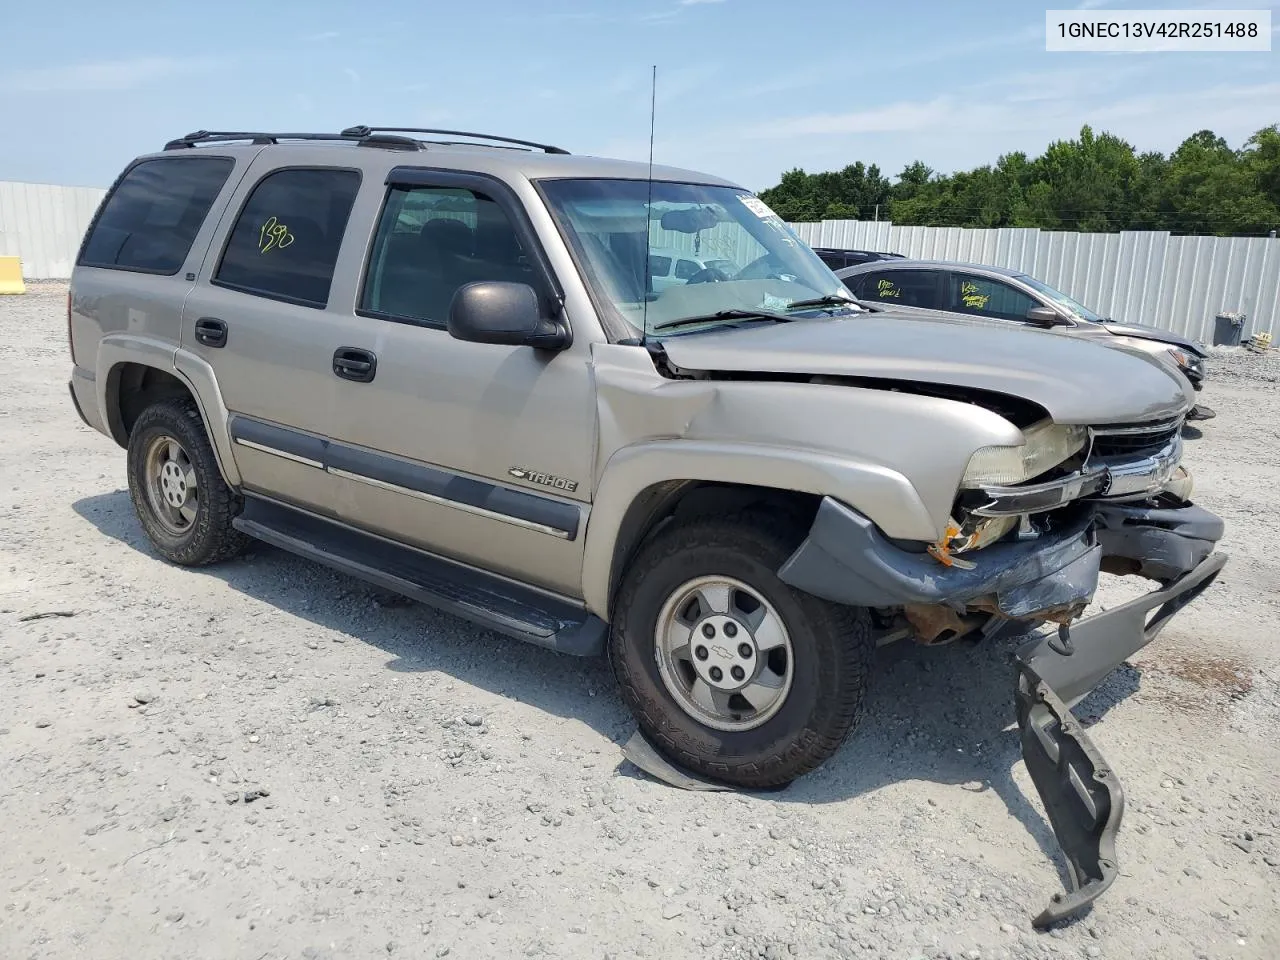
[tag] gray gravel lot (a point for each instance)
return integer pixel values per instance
(268, 760)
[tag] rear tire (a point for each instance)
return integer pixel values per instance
(177, 490)
(730, 672)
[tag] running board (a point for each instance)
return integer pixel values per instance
(503, 606)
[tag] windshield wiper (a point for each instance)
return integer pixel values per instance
(724, 315)
(831, 300)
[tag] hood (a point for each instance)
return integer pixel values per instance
(1146, 332)
(1075, 380)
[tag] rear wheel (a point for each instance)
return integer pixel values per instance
(729, 671)
(177, 490)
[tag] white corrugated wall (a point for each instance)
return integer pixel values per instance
(1178, 283)
(43, 224)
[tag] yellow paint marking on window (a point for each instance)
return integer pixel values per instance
(885, 290)
(274, 235)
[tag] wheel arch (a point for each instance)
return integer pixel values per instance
(650, 483)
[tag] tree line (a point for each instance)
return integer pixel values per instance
(1094, 183)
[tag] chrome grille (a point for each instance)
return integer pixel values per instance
(1134, 440)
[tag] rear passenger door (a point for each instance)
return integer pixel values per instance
(261, 317)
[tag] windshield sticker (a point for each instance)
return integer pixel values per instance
(886, 290)
(972, 297)
(758, 207)
(770, 302)
(274, 235)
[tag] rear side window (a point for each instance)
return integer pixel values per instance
(659, 266)
(900, 288)
(285, 243)
(686, 269)
(151, 218)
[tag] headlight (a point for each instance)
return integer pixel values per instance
(1047, 445)
(1184, 359)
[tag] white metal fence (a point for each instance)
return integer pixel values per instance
(1178, 283)
(43, 224)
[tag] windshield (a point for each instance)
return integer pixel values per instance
(732, 254)
(1060, 298)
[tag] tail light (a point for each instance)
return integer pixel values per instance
(70, 346)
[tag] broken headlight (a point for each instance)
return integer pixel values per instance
(1046, 445)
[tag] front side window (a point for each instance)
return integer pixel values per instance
(762, 267)
(430, 242)
(285, 243)
(900, 288)
(151, 218)
(987, 298)
(1077, 308)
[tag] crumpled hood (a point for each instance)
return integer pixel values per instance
(1075, 380)
(1154, 333)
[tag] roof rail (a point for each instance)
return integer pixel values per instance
(365, 131)
(371, 138)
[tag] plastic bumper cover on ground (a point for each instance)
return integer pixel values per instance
(846, 560)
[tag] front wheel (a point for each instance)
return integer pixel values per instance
(729, 671)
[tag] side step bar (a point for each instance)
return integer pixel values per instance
(489, 601)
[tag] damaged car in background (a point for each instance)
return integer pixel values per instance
(980, 293)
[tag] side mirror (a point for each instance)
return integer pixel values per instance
(495, 311)
(1045, 317)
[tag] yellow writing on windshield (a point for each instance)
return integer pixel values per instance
(886, 290)
(274, 235)
(972, 297)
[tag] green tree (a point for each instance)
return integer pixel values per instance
(1095, 182)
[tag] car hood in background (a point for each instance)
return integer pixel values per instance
(1075, 380)
(1154, 333)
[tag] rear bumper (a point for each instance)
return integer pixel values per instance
(84, 397)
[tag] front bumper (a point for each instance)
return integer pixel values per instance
(846, 560)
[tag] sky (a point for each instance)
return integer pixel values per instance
(746, 89)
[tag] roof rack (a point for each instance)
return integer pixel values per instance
(258, 137)
(362, 135)
(366, 131)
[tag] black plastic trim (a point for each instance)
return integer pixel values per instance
(295, 442)
(75, 402)
(506, 606)
(443, 484)
(451, 486)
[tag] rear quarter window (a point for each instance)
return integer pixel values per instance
(151, 217)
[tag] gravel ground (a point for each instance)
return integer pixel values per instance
(268, 760)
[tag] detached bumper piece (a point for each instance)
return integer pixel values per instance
(846, 560)
(1081, 794)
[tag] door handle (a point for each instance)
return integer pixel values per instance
(211, 331)
(353, 363)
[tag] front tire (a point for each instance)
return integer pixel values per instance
(178, 492)
(730, 672)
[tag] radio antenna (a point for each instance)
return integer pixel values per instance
(648, 209)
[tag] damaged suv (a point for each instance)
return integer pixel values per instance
(444, 367)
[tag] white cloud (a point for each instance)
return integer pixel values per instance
(102, 75)
(352, 76)
(323, 35)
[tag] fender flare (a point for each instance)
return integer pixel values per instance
(874, 489)
(115, 350)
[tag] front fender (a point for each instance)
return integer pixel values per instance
(873, 489)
